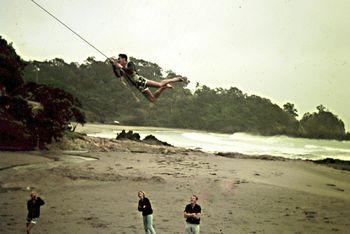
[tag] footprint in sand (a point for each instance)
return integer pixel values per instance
(310, 214)
(95, 222)
(326, 220)
(335, 187)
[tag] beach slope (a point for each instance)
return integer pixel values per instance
(91, 184)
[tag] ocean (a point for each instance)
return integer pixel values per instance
(281, 146)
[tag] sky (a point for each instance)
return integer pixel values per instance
(295, 51)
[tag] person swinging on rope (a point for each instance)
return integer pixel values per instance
(123, 68)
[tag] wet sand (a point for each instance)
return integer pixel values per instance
(237, 195)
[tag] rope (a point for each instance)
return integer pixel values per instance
(123, 82)
(68, 27)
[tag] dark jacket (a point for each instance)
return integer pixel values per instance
(145, 207)
(196, 209)
(34, 208)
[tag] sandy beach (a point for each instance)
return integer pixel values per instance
(90, 186)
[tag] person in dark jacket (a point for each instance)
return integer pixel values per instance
(192, 214)
(147, 212)
(33, 207)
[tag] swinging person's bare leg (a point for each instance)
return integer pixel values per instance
(157, 93)
(152, 83)
(152, 97)
(172, 80)
(149, 95)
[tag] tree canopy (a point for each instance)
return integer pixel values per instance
(105, 99)
(31, 114)
(322, 124)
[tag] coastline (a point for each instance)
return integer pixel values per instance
(238, 143)
(237, 194)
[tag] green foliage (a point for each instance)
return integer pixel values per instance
(11, 66)
(322, 124)
(30, 114)
(290, 109)
(14, 113)
(105, 99)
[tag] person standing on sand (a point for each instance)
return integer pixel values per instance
(192, 214)
(33, 207)
(147, 212)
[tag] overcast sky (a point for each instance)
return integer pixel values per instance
(294, 51)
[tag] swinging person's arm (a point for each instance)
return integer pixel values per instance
(117, 68)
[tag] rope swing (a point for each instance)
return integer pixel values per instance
(66, 26)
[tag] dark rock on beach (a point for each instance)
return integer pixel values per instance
(244, 156)
(150, 139)
(335, 163)
(130, 135)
